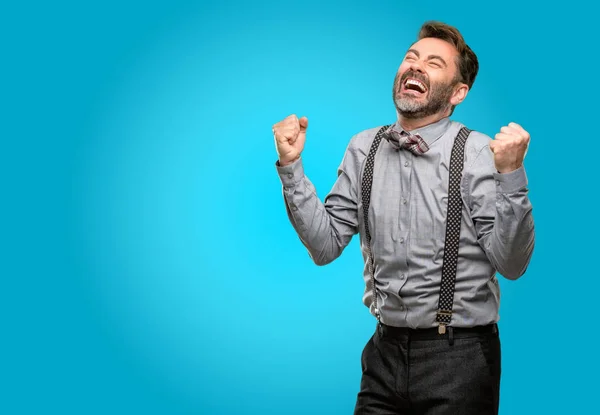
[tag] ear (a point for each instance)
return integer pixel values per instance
(460, 93)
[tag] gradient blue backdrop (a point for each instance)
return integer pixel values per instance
(147, 262)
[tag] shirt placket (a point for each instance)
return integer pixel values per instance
(406, 166)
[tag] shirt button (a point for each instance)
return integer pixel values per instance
(293, 207)
(406, 164)
(401, 307)
(498, 182)
(402, 276)
(401, 240)
(404, 201)
(290, 175)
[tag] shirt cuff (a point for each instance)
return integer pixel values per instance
(511, 182)
(292, 174)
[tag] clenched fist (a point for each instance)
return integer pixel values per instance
(509, 147)
(290, 135)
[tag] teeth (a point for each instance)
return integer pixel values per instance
(415, 82)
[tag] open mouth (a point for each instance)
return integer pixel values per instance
(415, 86)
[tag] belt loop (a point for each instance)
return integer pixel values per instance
(451, 335)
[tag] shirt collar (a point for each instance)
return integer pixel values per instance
(430, 133)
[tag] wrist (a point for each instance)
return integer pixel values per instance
(287, 162)
(509, 169)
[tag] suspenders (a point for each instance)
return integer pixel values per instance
(367, 183)
(453, 221)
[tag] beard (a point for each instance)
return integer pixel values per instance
(438, 99)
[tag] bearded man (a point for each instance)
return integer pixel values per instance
(440, 209)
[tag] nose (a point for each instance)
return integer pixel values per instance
(416, 66)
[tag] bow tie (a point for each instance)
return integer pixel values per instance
(403, 139)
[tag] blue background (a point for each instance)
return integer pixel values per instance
(147, 262)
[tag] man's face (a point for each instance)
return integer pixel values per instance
(426, 78)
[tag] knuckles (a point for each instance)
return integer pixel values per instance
(288, 126)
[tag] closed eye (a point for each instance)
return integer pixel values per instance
(437, 60)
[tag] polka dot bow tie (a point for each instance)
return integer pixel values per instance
(403, 139)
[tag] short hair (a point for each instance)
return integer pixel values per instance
(467, 62)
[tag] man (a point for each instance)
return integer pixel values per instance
(440, 225)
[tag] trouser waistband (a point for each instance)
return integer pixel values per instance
(433, 334)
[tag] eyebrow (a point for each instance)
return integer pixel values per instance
(416, 52)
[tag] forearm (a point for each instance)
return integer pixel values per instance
(325, 229)
(509, 245)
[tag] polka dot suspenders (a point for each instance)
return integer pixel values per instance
(453, 221)
(367, 183)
